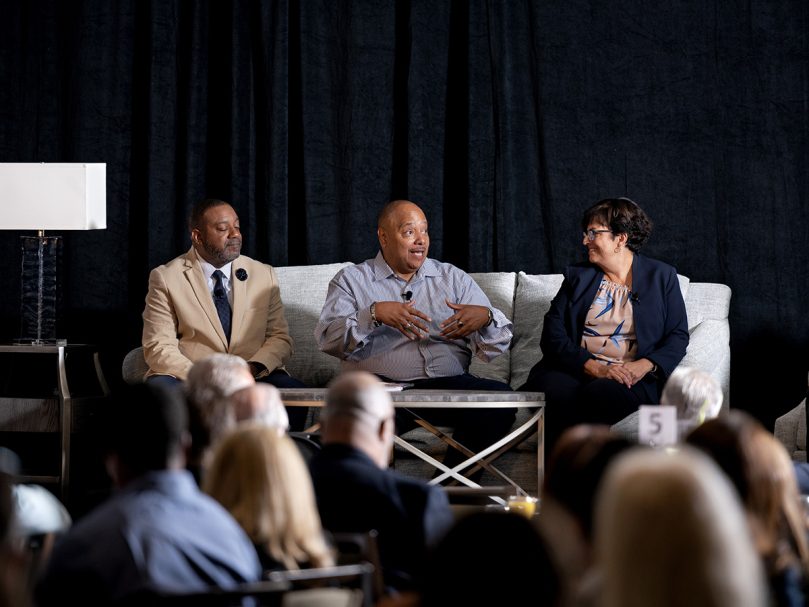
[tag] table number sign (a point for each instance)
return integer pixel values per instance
(657, 425)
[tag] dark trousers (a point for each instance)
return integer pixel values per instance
(166, 381)
(579, 399)
(278, 378)
(475, 429)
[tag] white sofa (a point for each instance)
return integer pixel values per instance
(524, 298)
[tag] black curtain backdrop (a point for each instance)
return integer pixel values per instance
(503, 119)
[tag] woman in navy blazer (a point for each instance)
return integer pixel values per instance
(615, 330)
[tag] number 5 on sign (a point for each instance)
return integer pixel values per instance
(657, 426)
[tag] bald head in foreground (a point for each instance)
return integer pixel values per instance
(355, 490)
(359, 412)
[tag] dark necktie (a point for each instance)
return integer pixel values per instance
(220, 300)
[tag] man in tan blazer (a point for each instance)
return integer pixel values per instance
(183, 319)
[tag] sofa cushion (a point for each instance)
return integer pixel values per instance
(499, 288)
(303, 291)
(531, 302)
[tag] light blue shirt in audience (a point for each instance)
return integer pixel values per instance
(159, 532)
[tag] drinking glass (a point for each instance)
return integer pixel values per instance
(523, 504)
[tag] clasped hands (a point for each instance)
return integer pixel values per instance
(628, 373)
(410, 321)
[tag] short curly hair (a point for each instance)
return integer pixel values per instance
(198, 210)
(622, 216)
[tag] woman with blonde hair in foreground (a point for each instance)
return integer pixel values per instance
(261, 479)
(670, 532)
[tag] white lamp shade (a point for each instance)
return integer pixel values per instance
(53, 196)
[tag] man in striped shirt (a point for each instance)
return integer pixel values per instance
(409, 318)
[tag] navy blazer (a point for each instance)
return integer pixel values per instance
(661, 325)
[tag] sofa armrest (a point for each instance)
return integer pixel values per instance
(709, 350)
(790, 429)
(628, 427)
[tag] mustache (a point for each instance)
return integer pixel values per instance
(233, 241)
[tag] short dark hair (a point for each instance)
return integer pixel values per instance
(577, 464)
(198, 210)
(727, 439)
(622, 216)
(146, 425)
(503, 551)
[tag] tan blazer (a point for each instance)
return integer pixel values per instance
(181, 326)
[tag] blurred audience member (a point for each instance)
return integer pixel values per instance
(696, 394)
(572, 478)
(760, 468)
(356, 492)
(491, 559)
(14, 565)
(260, 402)
(210, 383)
(260, 478)
(802, 468)
(576, 467)
(38, 512)
(670, 532)
(158, 533)
(39, 521)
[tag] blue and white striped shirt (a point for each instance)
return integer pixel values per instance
(346, 329)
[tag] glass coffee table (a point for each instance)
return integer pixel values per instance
(416, 400)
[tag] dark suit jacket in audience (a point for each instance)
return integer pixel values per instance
(355, 495)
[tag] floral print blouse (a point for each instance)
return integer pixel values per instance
(609, 329)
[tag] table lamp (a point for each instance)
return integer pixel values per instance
(48, 196)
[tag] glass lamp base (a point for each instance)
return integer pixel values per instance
(41, 256)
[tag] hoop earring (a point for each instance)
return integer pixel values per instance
(617, 249)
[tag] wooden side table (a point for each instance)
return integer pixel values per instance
(48, 414)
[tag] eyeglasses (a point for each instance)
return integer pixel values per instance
(591, 234)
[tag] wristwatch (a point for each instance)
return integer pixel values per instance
(373, 315)
(491, 318)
